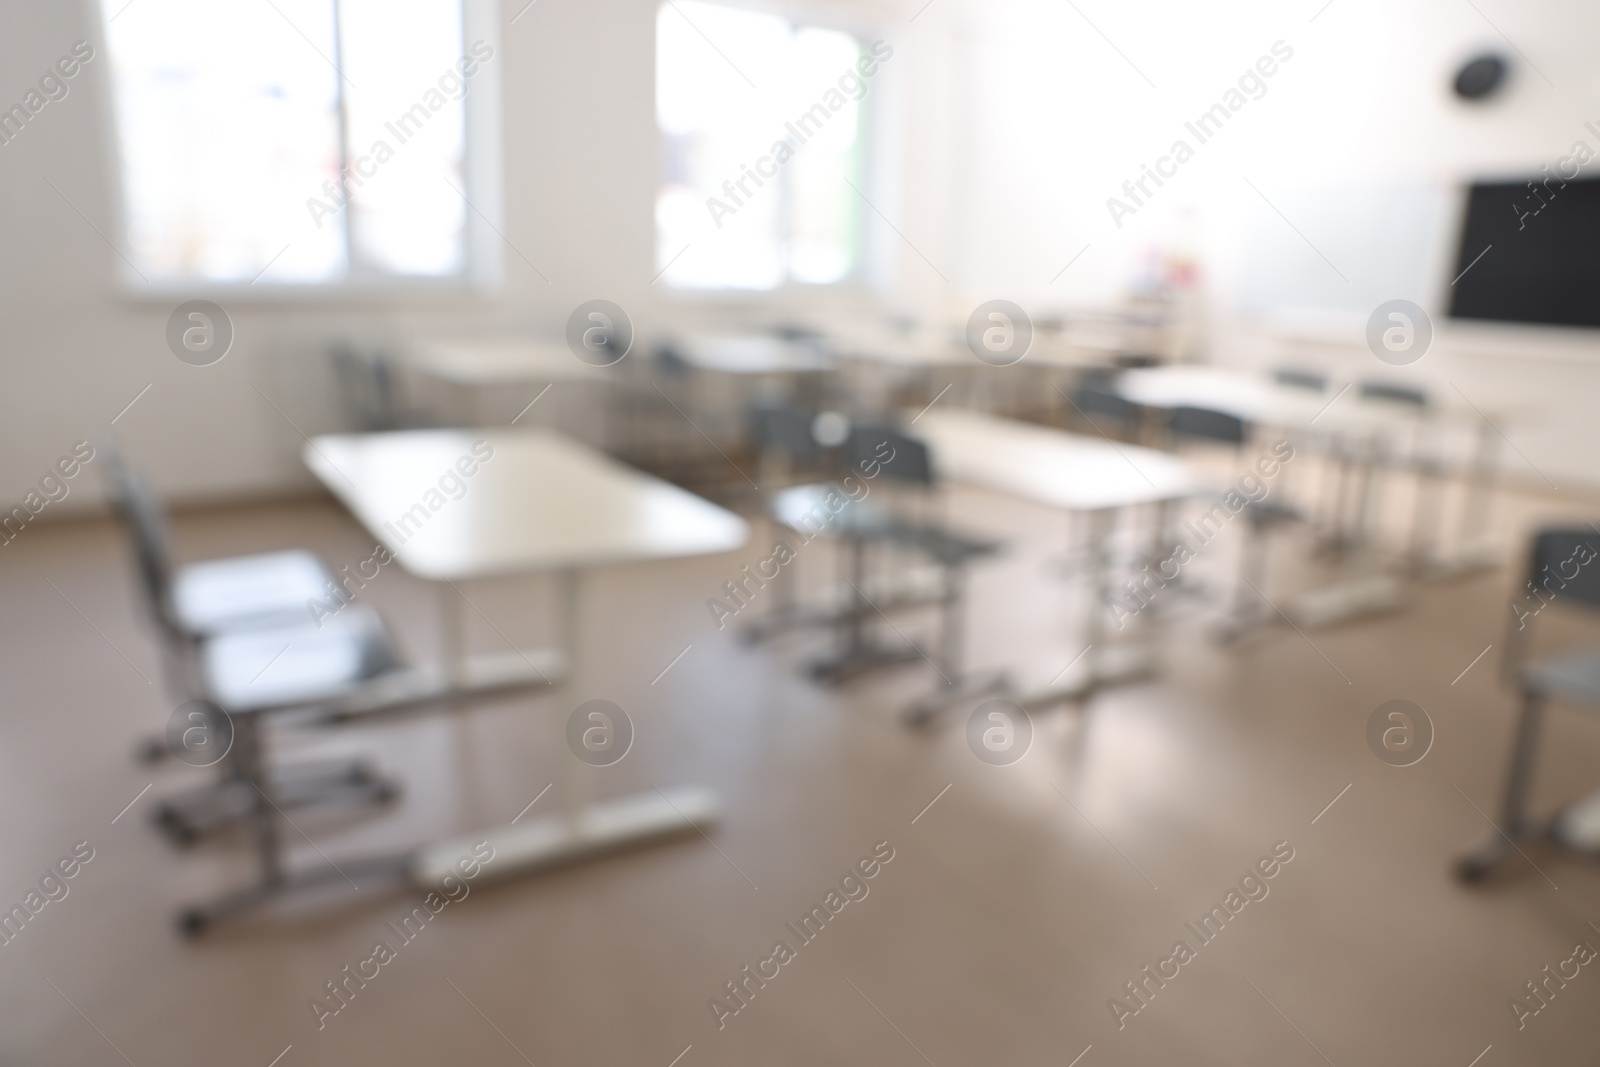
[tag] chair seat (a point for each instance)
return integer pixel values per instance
(805, 508)
(240, 592)
(296, 666)
(1574, 677)
(1270, 513)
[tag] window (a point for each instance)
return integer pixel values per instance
(298, 142)
(763, 136)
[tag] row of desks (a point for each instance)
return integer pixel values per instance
(540, 503)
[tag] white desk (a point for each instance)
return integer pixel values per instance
(1082, 475)
(750, 354)
(1360, 427)
(495, 361)
(541, 503)
(491, 379)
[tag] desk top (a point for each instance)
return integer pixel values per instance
(749, 354)
(1051, 467)
(925, 348)
(1255, 398)
(505, 360)
(536, 501)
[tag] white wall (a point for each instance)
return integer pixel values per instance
(1361, 119)
(581, 166)
(1009, 123)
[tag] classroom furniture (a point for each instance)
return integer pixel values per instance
(369, 385)
(1351, 434)
(1563, 568)
(254, 677)
(1356, 432)
(195, 606)
(893, 473)
(1095, 481)
(535, 502)
(528, 380)
(1100, 408)
(1245, 607)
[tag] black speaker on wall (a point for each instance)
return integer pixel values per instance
(1481, 77)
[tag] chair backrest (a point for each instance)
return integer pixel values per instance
(146, 520)
(1208, 425)
(1097, 398)
(785, 430)
(884, 449)
(1565, 563)
(1296, 378)
(670, 361)
(369, 388)
(1563, 568)
(1394, 392)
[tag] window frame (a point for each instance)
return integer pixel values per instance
(866, 276)
(483, 268)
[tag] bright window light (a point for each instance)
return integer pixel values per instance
(296, 142)
(730, 85)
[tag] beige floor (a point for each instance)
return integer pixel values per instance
(1014, 908)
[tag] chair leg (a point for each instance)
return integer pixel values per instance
(956, 685)
(1515, 823)
(189, 816)
(248, 762)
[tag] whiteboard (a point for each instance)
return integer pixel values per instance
(1386, 241)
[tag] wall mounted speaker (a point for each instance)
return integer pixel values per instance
(1481, 77)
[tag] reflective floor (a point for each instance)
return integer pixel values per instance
(1019, 901)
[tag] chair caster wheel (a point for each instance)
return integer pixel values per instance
(192, 922)
(150, 750)
(387, 793)
(1473, 870)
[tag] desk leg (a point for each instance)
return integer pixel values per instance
(1473, 549)
(1101, 665)
(579, 775)
(582, 828)
(453, 638)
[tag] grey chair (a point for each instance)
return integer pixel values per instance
(1563, 568)
(251, 677)
(369, 386)
(899, 519)
(1300, 378)
(1261, 516)
(195, 604)
(1430, 466)
(1097, 402)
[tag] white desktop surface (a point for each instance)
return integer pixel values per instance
(542, 502)
(750, 354)
(915, 350)
(1255, 398)
(1235, 392)
(505, 360)
(1052, 467)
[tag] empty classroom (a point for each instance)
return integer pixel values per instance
(791, 532)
